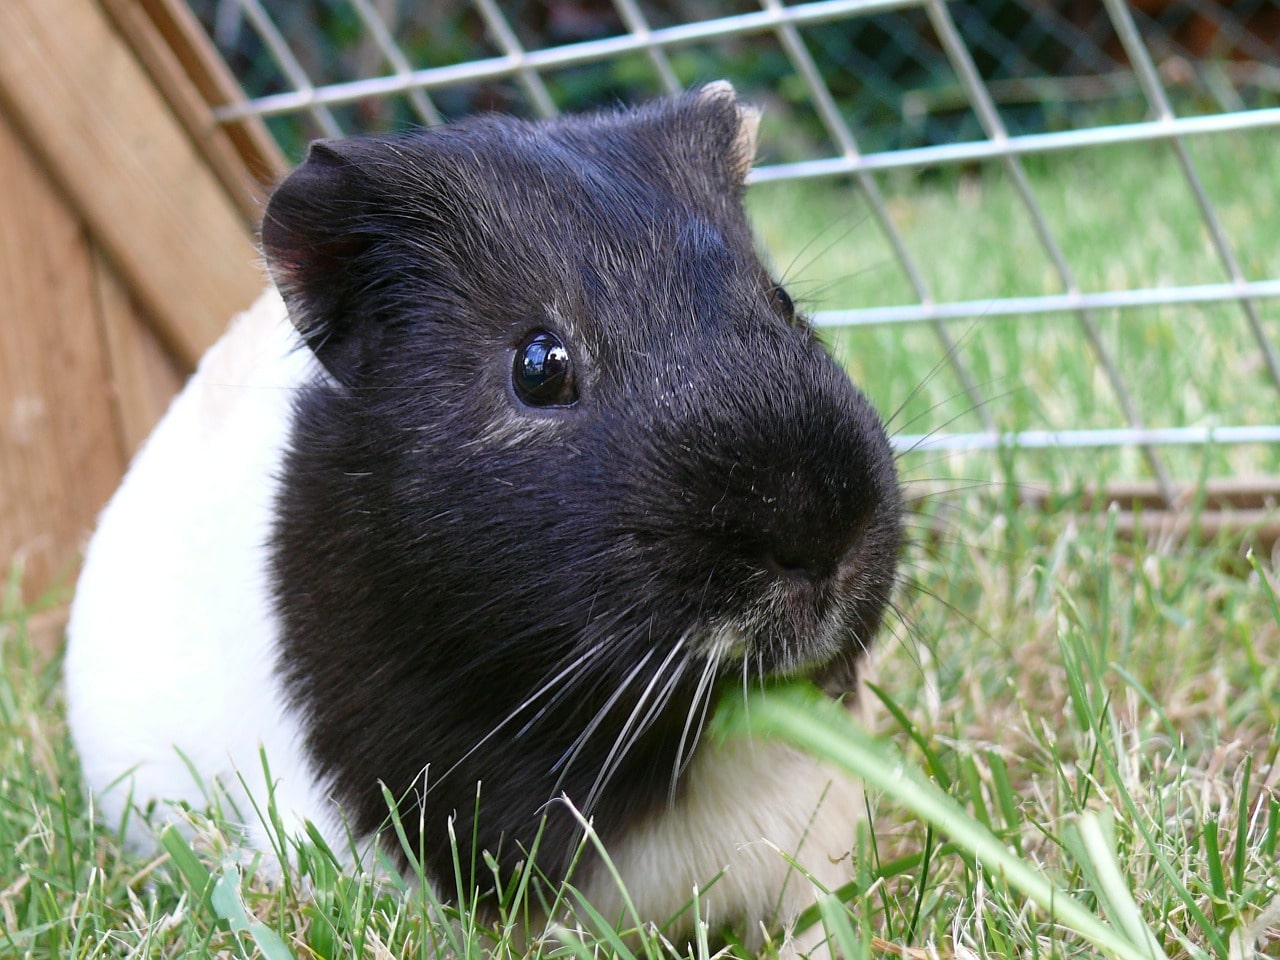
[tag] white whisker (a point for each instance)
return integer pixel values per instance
(702, 718)
(575, 748)
(626, 738)
(577, 663)
(703, 689)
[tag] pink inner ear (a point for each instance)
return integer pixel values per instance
(303, 258)
(743, 151)
(748, 139)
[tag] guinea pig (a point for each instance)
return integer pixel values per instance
(527, 465)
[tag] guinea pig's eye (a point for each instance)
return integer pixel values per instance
(784, 303)
(543, 372)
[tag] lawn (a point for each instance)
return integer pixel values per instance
(1107, 709)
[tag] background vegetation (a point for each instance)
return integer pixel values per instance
(1050, 66)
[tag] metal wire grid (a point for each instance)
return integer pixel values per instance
(527, 67)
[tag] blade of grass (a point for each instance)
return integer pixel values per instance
(1097, 838)
(195, 873)
(227, 904)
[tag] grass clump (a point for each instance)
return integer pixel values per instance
(1102, 707)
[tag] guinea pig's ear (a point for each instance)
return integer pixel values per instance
(317, 226)
(741, 150)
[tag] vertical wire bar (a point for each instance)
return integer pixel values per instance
(510, 45)
(278, 47)
(399, 63)
(1158, 99)
(989, 117)
(227, 18)
(635, 22)
(798, 53)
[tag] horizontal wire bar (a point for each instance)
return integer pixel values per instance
(1119, 437)
(942, 154)
(1052, 303)
(567, 55)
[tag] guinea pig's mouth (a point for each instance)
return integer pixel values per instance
(827, 655)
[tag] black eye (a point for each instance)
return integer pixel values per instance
(542, 372)
(785, 304)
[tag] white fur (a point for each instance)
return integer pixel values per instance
(779, 824)
(172, 638)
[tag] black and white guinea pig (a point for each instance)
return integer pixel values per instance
(528, 463)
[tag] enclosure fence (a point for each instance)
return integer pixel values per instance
(951, 33)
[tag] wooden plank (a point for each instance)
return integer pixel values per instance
(60, 454)
(1225, 493)
(189, 72)
(143, 376)
(1262, 527)
(1244, 507)
(113, 146)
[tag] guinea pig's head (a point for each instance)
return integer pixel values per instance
(576, 458)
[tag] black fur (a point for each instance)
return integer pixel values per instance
(443, 551)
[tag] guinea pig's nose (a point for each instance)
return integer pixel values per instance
(794, 564)
(811, 554)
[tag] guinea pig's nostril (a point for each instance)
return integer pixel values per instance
(814, 558)
(788, 564)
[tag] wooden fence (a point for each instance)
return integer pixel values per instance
(127, 222)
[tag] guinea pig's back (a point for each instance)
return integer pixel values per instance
(171, 641)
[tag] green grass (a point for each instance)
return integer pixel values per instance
(1075, 736)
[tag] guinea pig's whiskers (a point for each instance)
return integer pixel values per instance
(920, 385)
(575, 663)
(632, 730)
(987, 401)
(906, 635)
(918, 588)
(698, 706)
(571, 754)
(796, 268)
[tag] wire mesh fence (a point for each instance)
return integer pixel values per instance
(1043, 227)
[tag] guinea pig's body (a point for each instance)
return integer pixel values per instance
(530, 467)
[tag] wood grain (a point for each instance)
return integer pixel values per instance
(143, 376)
(115, 149)
(60, 451)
